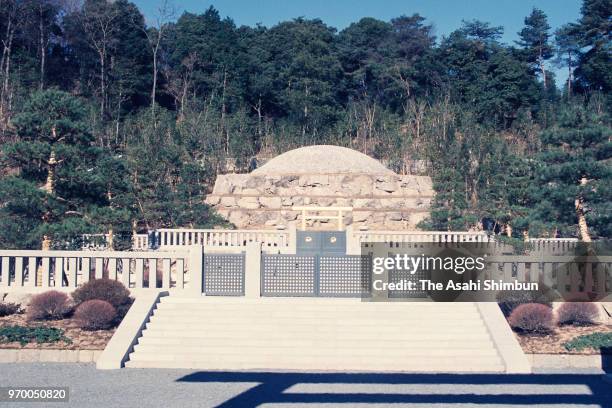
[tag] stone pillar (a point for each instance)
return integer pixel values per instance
(196, 265)
(353, 246)
(380, 250)
(252, 270)
(292, 228)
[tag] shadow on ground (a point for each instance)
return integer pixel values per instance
(491, 388)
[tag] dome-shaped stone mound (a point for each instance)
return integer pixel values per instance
(322, 159)
(322, 176)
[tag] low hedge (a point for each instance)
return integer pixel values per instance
(95, 314)
(578, 313)
(108, 290)
(7, 309)
(25, 335)
(532, 318)
(595, 341)
(50, 305)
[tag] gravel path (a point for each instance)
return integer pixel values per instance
(185, 388)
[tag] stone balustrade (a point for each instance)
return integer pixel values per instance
(37, 271)
(216, 238)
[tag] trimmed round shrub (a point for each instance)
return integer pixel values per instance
(111, 291)
(51, 305)
(95, 315)
(7, 309)
(577, 313)
(508, 300)
(532, 318)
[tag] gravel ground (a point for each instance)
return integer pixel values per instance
(187, 388)
(553, 343)
(81, 339)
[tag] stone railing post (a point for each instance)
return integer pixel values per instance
(252, 270)
(195, 270)
(353, 246)
(292, 237)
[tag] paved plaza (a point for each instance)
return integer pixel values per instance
(188, 388)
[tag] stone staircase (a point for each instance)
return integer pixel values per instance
(315, 334)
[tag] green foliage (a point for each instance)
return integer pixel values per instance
(57, 185)
(592, 33)
(578, 147)
(596, 341)
(486, 75)
(534, 39)
(25, 335)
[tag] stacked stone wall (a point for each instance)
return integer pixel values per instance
(386, 201)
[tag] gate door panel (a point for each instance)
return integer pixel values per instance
(224, 274)
(288, 275)
(321, 242)
(345, 275)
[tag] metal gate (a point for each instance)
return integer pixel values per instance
(288, 275)
(223, 274)
(399, 275)
(316, 275)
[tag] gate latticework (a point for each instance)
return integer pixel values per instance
(224, 274)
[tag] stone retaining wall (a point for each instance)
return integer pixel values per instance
(48, 356)
(387, 201)
(569, 361)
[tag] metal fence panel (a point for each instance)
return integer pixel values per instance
(288, 275)
(399, 275)
(345, 276)
(224, 274)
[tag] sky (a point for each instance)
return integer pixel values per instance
(445, 15)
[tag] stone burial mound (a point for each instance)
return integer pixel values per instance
(323, 176)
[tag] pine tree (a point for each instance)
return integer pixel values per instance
(534, 38)
(55, 186)
(568, 53)
(573, 192)
(592, 32)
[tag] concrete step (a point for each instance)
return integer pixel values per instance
(346, 331)
(474, 342)
(374, 350)
(269, 335)
(332, 310)
(315, 334)
(426, 367)
(325, 362)
(328, 358)
(223, 320)
(308, 302)
(317, 303)
(321, 314)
